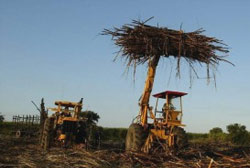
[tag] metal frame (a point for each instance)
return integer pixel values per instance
(161, 125)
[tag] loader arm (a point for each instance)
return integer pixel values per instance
(144, 102)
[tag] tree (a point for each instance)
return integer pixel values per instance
(90, 126)
(216, 130)
(216, 134)
(238, 134)
(90, 116)
(1, 118)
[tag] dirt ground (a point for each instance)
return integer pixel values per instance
(25, 152)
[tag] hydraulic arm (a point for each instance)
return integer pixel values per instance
(144, 102)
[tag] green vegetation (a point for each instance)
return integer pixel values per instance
(1, 118)
(197, 137)
(238, 134)
(216, 134)
(114, 134)
(6, 127)
(89, 125)
(90, 116)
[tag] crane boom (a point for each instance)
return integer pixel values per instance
(144, 103)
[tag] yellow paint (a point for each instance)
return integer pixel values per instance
(66, 111)
(62, 137)
(144, 103)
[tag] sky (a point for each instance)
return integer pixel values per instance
(53, 49)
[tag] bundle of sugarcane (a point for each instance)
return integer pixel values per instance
(140, 42)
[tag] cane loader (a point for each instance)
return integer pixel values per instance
(166, 126)
(140, 44)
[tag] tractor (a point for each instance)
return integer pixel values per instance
(64, 126)
(165, 128)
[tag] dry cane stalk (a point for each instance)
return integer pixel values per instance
(210, 164)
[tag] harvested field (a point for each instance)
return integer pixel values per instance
(24, 152)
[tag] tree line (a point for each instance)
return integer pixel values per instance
(236, 133)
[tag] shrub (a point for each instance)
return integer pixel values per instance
(197, 137)
(216, 134)
(238, 134)
(93, 132)
(114, 134)
(1, 118)
(216, 130)
(92, 117)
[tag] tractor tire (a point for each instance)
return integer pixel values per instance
(180, 137)
(47, 134)
(69, 140)
(19, 134)
(136, 137)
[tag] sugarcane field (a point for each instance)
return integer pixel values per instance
(124, 84)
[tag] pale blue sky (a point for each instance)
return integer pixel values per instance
(52, 49)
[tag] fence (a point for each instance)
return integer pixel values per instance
(26, 119)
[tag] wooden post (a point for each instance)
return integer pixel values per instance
(43, 116)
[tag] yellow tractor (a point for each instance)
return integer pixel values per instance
(64, 126)
(165, 128)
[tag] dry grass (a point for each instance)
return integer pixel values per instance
(25, 153)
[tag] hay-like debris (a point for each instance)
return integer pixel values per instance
(23, 152)
(140, 42)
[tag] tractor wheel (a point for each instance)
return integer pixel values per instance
(135, 138)
(47, 135)
(180, 138)
(18, 134)
(69, 139)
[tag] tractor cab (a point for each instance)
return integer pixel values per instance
(67, 111)
(170, 111)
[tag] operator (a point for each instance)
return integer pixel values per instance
(165, 108)
(66, 112)
(170, 105)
